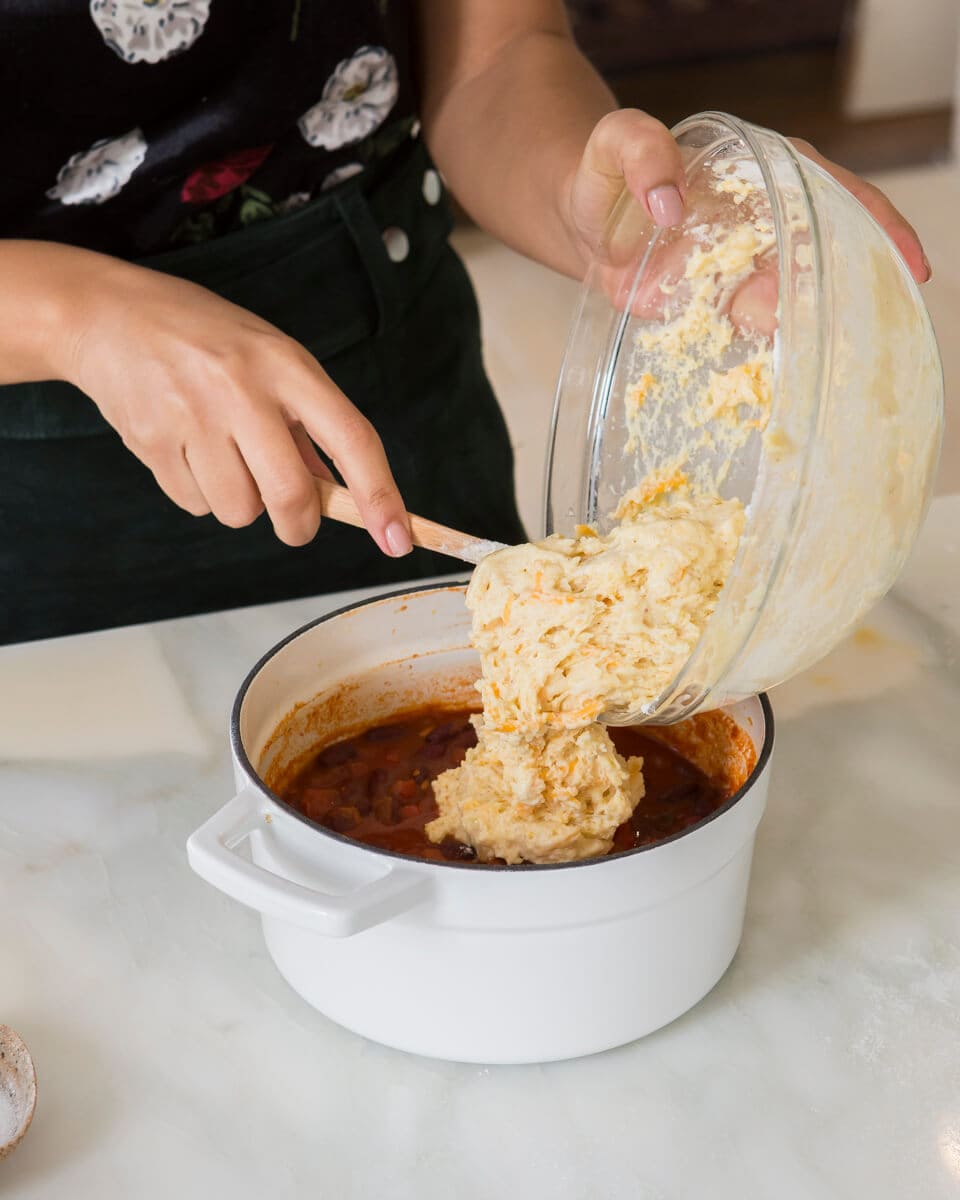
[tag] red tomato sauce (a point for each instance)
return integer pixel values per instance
(376, 786)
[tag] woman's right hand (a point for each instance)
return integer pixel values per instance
(219, 404)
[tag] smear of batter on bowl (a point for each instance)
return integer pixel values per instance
(571, 627)
(703, 385)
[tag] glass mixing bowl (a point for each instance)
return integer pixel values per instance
(836, 478)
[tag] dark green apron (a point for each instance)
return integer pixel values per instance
(88, 540)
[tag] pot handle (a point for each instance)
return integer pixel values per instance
(212, 853)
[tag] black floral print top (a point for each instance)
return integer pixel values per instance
(133, 126)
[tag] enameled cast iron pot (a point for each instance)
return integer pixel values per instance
(465, 962)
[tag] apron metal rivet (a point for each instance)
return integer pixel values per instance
(397, 244)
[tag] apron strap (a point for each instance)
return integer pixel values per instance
(369, 242)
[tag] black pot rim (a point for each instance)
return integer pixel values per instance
(241, 754)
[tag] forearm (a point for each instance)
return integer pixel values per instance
(509, 138)
(42, 288)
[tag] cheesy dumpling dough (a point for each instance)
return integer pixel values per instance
(569, 628)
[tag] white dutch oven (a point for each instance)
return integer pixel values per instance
(472, 963)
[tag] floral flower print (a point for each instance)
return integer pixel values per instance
(215, 179)
(292, 202)
(340, 175)
(149, 30)
(95, 175)
(243, 205)
(356, 100)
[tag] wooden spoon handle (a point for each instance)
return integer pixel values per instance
(337, 504)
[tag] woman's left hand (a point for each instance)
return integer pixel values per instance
(631, 148)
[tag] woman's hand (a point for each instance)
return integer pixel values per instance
(898, 228)
(630, 148)
(220, 405)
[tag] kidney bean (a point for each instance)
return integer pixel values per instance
(409, 811)
(342, 819)
(683, 791)
(336, 754)
(444, 732)
(465, 739)
(387, 810)
(376, 781)
(355, 793)
(384, 733)
(328, 777)
(457, 851)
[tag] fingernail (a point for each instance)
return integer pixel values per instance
(398, 539)
(665, 204)
(929, 269)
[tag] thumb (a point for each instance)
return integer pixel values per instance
(628, 149)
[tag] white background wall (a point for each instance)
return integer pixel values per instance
(956, 103)
(904, 56)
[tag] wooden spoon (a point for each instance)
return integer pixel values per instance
(337, 503)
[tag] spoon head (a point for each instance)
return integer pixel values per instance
(473, 552)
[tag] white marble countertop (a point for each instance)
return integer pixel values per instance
(174, 1061)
